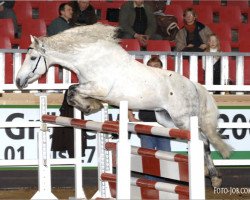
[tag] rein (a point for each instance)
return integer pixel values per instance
(35, 68)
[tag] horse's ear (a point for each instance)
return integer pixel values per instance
(38, 44)
(32, 39)
(36, 40)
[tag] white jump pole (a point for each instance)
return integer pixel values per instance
(123, 155)
(44, 161)
(104, 158)
(79, 193)
(196, 162)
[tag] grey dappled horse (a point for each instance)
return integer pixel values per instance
(107, 73)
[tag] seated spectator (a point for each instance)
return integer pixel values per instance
(148, 141)
(213, 45)
(193, 36)
(84, 13)
(62, 22)
(6, 11)
(137, 20)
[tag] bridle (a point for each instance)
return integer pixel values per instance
(35, 68)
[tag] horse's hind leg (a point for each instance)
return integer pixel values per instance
(213, 173)
(163, 118)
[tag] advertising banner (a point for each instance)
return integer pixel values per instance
(21, 143)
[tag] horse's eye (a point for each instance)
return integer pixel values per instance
(33, 58)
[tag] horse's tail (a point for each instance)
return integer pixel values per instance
(208, 117)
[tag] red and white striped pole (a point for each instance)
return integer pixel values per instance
(113, 127)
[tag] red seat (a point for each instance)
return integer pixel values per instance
(175, 10)
(35, 27)
(243, 4)
(52, 13)
(230, 15)
(243, 35)
(244, 31)
(95, 2)
(204, 13)
(23, 11)
(5, 43)
(222, 30)
(244, 46)
(24, 42)
(183, 3)
(215, 4)
(225, 46)
(158, 45)
(7, 28)
(130, 44)
(35, 4)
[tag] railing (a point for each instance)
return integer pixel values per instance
(234, 66)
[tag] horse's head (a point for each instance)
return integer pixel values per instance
(34, 64)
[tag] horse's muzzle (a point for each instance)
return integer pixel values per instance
(19, 83)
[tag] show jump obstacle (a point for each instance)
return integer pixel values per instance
(152, 162)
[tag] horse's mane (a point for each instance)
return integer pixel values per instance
(80, 37)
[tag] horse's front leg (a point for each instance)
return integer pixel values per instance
(82, 102)
(210, 168)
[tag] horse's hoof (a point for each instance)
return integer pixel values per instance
(216, 181)
(73, 87)
(72, 90)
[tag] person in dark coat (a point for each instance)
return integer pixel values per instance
(84, 13)
(194, 35)
(137, 21)
(63, 137)
(62, 22)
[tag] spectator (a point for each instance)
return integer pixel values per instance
(147, 141)
(213, 45)
(9, 4)
(137, 20)
(6, 11)
(63, 137)
(193, 36)
(84, 13)
(62, 22)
